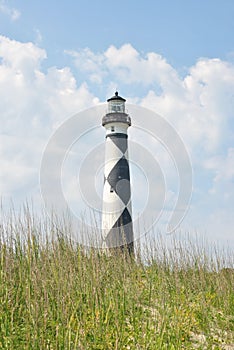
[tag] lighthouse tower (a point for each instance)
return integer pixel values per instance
(117, 209)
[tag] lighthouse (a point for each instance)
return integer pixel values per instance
(117, 230)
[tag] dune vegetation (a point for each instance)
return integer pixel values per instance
(56, 294)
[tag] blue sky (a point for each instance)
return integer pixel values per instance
(173, 57)
(182, 30)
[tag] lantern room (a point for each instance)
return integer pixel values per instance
(116, 104)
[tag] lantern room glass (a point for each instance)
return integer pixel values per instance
(116, 106)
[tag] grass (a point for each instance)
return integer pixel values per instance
(54, 294)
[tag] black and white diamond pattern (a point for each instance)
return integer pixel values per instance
(117, 210)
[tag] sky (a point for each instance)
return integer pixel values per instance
(175, 58)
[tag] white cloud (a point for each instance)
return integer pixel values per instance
(91, 63)
(127, 65)
(33, 103)
(13, 13)
(200, 104)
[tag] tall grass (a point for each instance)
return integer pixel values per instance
(55, 294)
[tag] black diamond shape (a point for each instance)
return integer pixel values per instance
(118, 172)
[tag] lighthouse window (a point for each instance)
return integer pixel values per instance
(111, 189)
(112, 128)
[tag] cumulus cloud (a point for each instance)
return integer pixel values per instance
(200, 104)
(127, 65)
(33, 103)
(13, 13)
(88, 61)
(202, 109)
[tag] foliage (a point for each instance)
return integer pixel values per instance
(55, 294)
